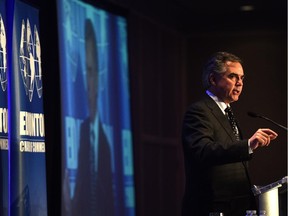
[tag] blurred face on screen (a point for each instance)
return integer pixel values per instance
(91, 70)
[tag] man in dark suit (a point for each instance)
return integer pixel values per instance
(215, 154)
(93, 190)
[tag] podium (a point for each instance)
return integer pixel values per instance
(268, 196)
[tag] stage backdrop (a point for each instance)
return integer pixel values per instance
(95, 94)
(27, 179)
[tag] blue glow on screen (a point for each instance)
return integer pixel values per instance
(113, 101)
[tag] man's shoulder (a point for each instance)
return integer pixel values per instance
(202, 103)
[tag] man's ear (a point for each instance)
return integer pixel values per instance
(212, 79)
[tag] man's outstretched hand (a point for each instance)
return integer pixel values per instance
(262, 137)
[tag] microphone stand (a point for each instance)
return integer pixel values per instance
(254, 115)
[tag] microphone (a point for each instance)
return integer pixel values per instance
(255, 115)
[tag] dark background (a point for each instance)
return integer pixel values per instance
(169, 41)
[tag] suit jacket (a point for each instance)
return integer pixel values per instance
(216, 175)
(102, 203)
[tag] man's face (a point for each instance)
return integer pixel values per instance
(228, 86)
(92, 77)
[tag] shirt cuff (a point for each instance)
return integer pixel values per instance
(249, 148)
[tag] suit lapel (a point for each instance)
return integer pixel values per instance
(221, 118)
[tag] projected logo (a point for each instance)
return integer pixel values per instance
(30, 59)
(3, 56)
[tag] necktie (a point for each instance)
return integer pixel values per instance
(232, 121)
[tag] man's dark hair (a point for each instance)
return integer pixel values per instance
(217, 64)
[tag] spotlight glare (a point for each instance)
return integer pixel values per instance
(247, 8)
